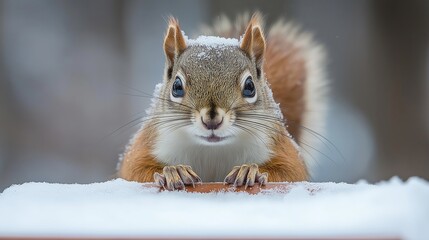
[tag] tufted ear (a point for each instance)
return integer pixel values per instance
(253, 41)
(174, 42)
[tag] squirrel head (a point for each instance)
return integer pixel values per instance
(213, 86)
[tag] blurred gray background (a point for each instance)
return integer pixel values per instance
(70, 70)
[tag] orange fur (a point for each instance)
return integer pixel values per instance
(139, 164)
(285, 71)
(174, 42)
(286, 164)
(253, 42)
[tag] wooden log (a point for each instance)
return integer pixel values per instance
(220, 187)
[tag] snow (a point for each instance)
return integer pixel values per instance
(154, 99)
(201, 54)
(119, 208)
(211, 41)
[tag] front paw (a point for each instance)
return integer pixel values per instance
(176, 177)
(246, 175)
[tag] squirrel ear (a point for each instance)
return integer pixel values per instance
(253, 41)
(174, 41)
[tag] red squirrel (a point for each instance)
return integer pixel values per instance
(224, 108)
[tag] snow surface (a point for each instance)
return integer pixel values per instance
(211, 41)
(121, 208)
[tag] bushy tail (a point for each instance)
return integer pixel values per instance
(294, 66)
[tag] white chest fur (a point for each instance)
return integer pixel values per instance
(211, 162)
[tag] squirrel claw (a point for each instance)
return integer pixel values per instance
(159, 180)
(262, 178)
(246, 175)
(230, 178)
(176, 177)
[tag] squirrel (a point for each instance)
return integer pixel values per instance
(230, 107)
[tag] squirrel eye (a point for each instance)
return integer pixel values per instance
(249, 88)
(178, 90)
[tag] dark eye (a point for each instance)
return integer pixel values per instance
(178, 90)
(249, 88)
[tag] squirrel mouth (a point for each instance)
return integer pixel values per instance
(213, 138)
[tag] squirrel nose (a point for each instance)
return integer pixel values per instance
(212, 123)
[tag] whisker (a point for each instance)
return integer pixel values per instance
(244, 128)
(322, 139)
(176, 126)
(267, 127)
(263, 117)
(121, 127)
(270, 128)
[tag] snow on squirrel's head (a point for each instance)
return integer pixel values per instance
(213, 84)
